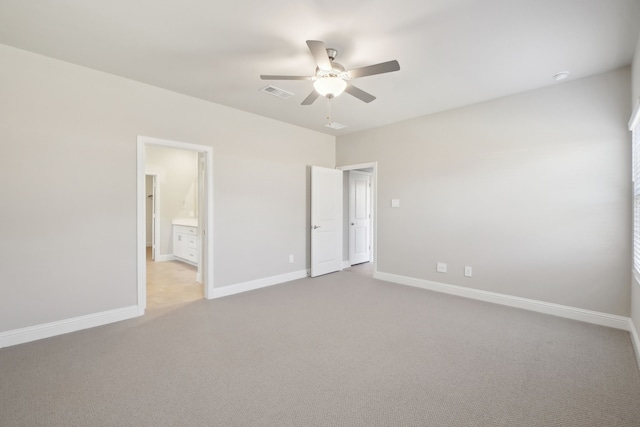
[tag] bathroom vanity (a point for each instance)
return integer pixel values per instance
(186, 241)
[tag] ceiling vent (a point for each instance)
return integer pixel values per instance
(335, 125)
(276, 91)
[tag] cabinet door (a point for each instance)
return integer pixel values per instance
(179, 245)
(185, 243)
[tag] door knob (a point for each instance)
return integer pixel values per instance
(316, 226)
(353, 223)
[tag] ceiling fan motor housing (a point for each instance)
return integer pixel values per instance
(331, 79)
(337, 70)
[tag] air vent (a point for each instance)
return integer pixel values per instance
(336, 126)
(276, 91)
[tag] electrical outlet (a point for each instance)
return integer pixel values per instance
(468, 271)
(441, 267)
(290, 259)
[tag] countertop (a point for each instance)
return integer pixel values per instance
(189, 222)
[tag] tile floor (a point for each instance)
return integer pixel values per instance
(171, 283)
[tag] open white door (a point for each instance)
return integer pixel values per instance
(205, 222)
(202, 214)
(359, 217)
(154, 208)
(326, 220)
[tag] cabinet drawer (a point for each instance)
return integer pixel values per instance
(185, 229)
(192, 242)
(191, 255)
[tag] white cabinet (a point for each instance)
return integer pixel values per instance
(186, 243)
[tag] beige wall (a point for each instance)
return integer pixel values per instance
(68, 223)
(531, 190)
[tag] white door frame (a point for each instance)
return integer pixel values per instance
(374, 204)
(207, 222)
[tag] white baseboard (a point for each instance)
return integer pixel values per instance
(595, 317)
(46, 330)
(162, 258)
(257, 284)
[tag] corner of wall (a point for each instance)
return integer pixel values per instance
(635, 75)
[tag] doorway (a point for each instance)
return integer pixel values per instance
(202, 211)
(359, 213)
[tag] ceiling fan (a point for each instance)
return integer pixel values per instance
(331, 79)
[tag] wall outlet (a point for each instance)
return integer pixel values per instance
(468, 271)
(290, 259)
(441, 267)
(395, 203)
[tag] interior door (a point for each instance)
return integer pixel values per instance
(201, 208)
(326, 220)
(359, 217)
(153, 217)
(150, 209)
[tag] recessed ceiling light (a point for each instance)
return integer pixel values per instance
(561, 75)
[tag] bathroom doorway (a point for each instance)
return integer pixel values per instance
(178, 263)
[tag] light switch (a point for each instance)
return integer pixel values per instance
(395, 203)
(468, 271)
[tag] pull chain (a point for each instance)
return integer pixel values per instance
(329, 97)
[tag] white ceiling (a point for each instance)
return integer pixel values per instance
(451, 52)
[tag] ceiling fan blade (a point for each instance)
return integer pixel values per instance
(319, 52)
(268, 77)
(383, 67)
(359, 93)
(311, 98)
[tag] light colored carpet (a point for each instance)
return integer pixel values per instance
(365, 268)
(338, 350)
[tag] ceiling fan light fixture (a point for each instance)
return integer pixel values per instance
(329, 86)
